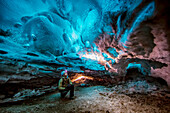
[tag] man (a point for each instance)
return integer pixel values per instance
(65, 85)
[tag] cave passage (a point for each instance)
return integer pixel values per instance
(115, 51)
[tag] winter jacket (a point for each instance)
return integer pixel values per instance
(63, 83)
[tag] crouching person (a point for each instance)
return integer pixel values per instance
(65, 85)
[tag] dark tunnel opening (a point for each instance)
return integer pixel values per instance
(135, 74)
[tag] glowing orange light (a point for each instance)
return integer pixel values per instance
(81, 78)
(97, 55)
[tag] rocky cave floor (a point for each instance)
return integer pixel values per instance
(132, 96)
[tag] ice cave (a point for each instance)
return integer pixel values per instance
(116, 54)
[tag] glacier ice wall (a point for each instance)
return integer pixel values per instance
(67, 22)
(102, 30)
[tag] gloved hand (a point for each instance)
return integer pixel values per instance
(69, 85)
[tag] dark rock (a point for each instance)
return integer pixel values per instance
(5, 33)
(2, 96)
(32, 54)
(161, 81)
(3, 52)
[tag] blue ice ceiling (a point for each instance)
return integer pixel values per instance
(58, 27)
